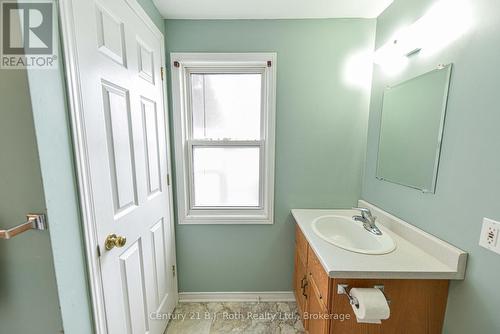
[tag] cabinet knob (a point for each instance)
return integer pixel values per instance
(303, 282)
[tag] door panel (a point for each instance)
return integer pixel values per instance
(159, 260)
(124, 123)
(134, 290)
(150, 123)
(146, 62)
(110, 36)
(120, 146)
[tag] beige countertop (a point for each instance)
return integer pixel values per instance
(418, 255)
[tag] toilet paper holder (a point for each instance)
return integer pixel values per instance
(343, 289)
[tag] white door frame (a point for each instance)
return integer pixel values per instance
(81, 154)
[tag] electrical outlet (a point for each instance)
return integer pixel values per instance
(489, 235)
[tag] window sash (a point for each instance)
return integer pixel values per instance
(261, 144)
(191, 142)
(225, 70)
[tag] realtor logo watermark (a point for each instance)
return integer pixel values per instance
(28, 34)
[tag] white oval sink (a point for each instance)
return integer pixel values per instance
(350, 235)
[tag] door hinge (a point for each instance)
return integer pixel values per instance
(98, 251)
(161, 73)
(168, 179)
(173, 270)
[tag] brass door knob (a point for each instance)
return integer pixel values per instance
(113, 241)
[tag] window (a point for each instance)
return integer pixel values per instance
(224, 115)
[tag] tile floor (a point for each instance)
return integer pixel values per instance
(231, 317)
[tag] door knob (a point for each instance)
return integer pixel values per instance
(113, 241)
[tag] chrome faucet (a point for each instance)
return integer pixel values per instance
(368, 221)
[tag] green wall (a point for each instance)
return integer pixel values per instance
(53, 139)
(28, 294)
(153, 13)
(320, 144)
(468, 180)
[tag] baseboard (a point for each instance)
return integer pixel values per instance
(271, 296)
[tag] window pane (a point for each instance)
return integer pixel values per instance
(226, 106)
(226, 176)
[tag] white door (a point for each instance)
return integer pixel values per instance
(119, 62)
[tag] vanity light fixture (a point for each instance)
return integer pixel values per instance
(444, 23)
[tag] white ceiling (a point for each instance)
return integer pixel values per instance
(270, 9)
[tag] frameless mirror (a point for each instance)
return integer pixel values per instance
(411, 130)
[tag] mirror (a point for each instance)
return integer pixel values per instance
(411, 130)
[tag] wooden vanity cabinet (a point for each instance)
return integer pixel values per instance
(318, 295)
(300, 273)
(417, 306)
(311, 287)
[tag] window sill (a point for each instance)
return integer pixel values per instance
(226, 220)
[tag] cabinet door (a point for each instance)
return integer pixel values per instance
(417, 307)
(300, 282)
(317, 316)
(317, 274)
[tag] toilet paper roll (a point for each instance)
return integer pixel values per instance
(372, 306)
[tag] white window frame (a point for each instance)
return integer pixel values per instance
(182, 65)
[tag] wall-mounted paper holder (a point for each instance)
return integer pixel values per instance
(343, 289)
(34, 221)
